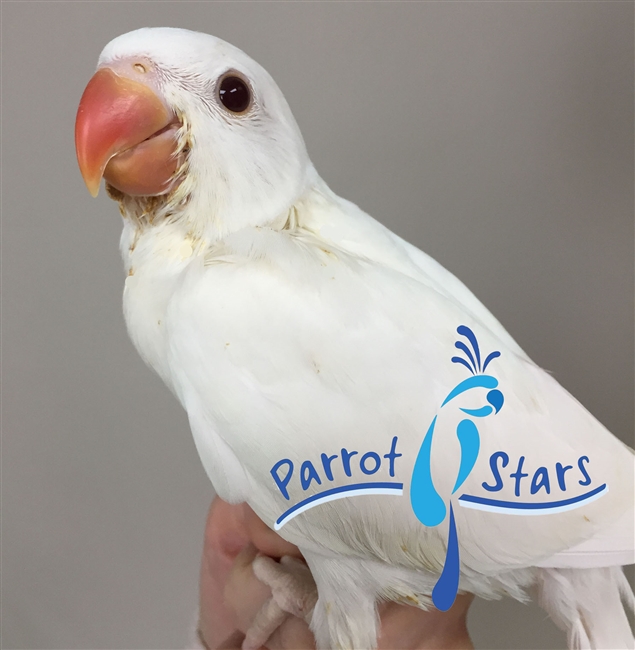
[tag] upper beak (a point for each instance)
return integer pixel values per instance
(115, 114)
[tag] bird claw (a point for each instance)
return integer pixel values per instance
(291, 583)
(266, 622)
(293, 593)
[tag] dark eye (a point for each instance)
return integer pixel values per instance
(234, 94)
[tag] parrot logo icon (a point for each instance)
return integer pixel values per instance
(427, 503)
(429, 506)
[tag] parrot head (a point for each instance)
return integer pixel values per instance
(190, 120)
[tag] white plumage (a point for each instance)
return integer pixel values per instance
(291, 324)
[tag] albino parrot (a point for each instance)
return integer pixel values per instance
(337, 379)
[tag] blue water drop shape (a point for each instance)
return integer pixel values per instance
(470, 441)
(426, 502)
(483, 412)
(496, 399)
(490, 357)
(461, 346)
(444, 592)
(463, 362)
(464, 330)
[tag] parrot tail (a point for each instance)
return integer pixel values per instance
(589, 604)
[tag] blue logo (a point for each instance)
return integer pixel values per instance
(427, 503)
(431, 509)
(322, 472)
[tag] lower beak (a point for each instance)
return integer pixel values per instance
(125, 133)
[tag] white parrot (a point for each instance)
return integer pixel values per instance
(337, 379)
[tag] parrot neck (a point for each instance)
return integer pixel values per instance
(182, 217)
(159, 247)
(191, 213)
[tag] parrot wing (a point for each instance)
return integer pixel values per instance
(300, 361)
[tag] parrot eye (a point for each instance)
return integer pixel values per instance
(234, 93)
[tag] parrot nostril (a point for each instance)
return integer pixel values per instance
(139, 67)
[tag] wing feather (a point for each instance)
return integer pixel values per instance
(297, 345)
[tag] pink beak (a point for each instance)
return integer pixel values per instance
(124, 132)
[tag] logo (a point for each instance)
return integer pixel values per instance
(322, 474)
(428, 505)
(431, 509)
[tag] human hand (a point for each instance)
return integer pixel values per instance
(231, 595)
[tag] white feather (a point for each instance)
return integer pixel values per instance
(587, 603)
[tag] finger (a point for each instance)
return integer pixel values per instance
(267, 541)
(232, 642)
(225, 531)
(225, 536)
(266, 621)
(293, 634)
(244, 593)
(408, 627)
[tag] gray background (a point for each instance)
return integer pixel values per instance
(498, 137)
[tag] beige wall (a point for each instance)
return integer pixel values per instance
(496, 136)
